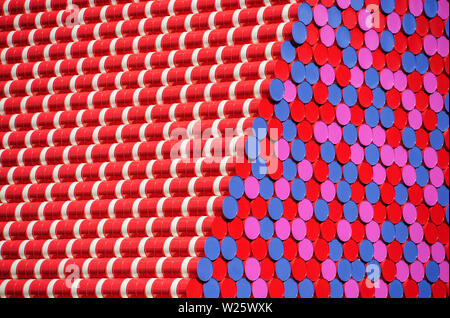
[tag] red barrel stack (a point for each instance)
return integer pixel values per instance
(224, 148)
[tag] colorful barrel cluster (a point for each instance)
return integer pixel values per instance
(353, 199)
(224, 148)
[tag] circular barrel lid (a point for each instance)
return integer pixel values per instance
(251, 228)
(275, 208)
(387, 41)
(259, 248)
(410, 251)
(358, 270)
(228, 288)
(396, 289)
(350, 95)
(298, 71)
(366, 250)
(349, 57)
(344, 270)
(343, 191)
(312, 73)
(334, 17)
(387, 6)
(424, 289)
(252, 147)
(335, 250)
(321, 210)
(289, 130)
(430, 7)
(298, 150)
(298, 189)
(432, 271)
(351, 211)
(371, 116)
(236, 228)
(212, 248)
(252, 269)
(409, 24)
(236, 187)
(305, 92)
(259, 128)
(409, 62)
(259, 168)
(336, 289)
(276, 288)
(334, 171)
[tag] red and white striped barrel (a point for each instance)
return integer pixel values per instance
(141, 96)
(150, 188)
(134, 115)
(145, 78)
(103, 248)
(139, 61)
(123, 170)
(126, 133)
(153, 25)
(101, 288)
(109, 228)
(164, 149)
(146, 43)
